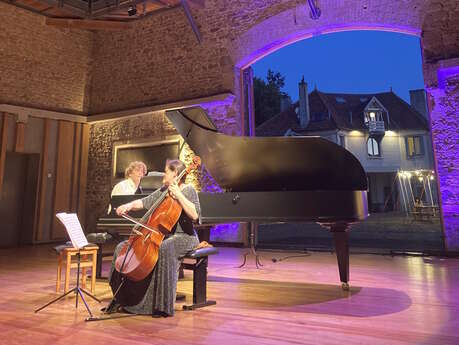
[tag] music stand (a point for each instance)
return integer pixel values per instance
(73, 227)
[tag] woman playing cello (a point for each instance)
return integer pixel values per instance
(156, 293)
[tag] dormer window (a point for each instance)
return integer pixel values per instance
(376, 117)
(374, 112)
(373, 115)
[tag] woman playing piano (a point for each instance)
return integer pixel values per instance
(156, 294)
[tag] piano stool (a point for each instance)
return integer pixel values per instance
(88, 259)
(200, 260)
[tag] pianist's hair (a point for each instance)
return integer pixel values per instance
(134, 165)
(178, 166)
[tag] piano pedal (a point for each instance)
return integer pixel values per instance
(345, 286)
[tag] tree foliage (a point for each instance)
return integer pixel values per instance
(267, 95)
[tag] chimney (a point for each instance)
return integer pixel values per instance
(303, 114)
(418, 101)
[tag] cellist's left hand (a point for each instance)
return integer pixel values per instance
(174, 190)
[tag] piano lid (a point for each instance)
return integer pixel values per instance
(268, 163)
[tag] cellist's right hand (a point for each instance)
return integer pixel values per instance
(123, 209)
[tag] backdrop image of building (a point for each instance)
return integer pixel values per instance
(386, 134)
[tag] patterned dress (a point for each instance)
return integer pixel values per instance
(156, 293)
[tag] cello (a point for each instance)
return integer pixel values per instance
(139, 255)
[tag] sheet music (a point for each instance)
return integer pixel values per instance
(74, 230)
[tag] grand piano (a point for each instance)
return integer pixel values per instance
(277, 179)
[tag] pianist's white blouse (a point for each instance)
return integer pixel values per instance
(125, 187)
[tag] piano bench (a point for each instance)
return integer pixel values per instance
(100, 238)
(200, 260)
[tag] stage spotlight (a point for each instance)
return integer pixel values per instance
(132, 10)
(315, 10)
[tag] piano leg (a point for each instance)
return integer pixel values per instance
(341, 239)
(253, 227)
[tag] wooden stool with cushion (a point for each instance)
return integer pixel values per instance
(88, 259)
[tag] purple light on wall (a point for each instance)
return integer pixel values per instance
(225, 233)
(272, 47)
(308, 33)
(228, 232)
(444, 73)
(218, 111)
(228, 101)
(445, 132)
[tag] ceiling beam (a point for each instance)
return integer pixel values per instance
(118, 5)
(124, 4)
(24, 7)
(87, 24)
(76, 7)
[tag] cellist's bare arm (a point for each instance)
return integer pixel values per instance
(187, 205)
(130, 206)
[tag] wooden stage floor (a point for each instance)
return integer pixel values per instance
(393, 300)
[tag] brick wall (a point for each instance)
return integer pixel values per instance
(42, 66)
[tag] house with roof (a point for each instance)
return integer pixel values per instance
(385, 133)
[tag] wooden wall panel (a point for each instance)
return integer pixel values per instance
(42, 187)
(65, 158)
(19, 137)
(76, 168)
(64, 170)
(3, 144)
(83, 174)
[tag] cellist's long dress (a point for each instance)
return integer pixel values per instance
(157, 292)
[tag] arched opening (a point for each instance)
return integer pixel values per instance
(386, 128)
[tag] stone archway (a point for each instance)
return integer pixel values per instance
(433, 21)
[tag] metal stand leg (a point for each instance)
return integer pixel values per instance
(78, 292)
(252, 250)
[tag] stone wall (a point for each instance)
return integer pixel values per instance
(43, 66)
(103, 136)
(159, 60)
(443, 90)
(152, 127)
(440, 30)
